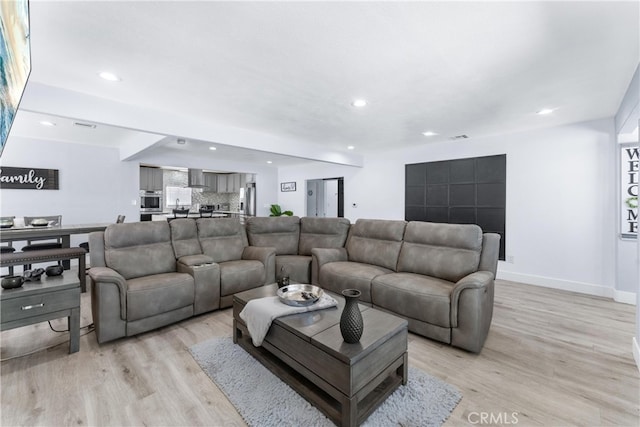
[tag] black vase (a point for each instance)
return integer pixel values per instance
(351, 325)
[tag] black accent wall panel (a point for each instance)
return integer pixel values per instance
(461, 191)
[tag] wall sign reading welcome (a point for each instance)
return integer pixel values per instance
(28, 178)
(630, 158)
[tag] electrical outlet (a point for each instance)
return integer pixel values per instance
(134, 202)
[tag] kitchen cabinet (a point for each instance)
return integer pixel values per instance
(150, 179)
(222, 183)
(233, 183)
(211, 182)
(230, 182)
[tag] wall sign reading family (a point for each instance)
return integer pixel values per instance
(28, 178)
(629, 191)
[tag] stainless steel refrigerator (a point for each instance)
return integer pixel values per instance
(250, 199)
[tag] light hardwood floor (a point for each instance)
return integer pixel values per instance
(552, 358)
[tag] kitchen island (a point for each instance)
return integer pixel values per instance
(194, 214)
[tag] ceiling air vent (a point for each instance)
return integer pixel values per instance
(459, 137)
(84, 125)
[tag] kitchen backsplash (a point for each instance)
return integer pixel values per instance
(173, 178)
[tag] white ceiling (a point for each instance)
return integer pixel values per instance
(291, 69)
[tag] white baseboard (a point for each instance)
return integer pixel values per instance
(568, 285)
(625, 297)
(636, 352)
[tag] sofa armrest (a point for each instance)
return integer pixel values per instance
(107, 275)
(322, 256)
(266, 255)
(479, 280)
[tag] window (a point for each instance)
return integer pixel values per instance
(178, 193)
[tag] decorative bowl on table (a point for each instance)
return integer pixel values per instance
(54, 270)
(6, 223)
(39, 222)
(12, 282)
(299, 295)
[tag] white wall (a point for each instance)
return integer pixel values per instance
(561, 229)
(95, 186)
(627, 121)
(560, 223)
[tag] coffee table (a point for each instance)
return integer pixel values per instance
(347, 382)
(47, 299)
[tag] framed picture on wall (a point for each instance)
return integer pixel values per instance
(287, 186)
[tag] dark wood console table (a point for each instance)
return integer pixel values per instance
(39, 301)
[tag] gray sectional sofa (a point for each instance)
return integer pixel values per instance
(440, 277)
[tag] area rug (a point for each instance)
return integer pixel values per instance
(263, 400)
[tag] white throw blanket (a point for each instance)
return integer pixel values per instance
(260, 312)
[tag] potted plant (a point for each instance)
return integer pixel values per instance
(276, 210)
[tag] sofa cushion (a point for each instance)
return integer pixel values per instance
(238, 276)
(376, 242)
(223, 239)
(423, 298)
(341, 275)
(139, 249)
(322, 233)
(159, 293)
(184, 237)
(445, 251)
(280, 232)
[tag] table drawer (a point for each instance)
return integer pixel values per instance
(34, 305)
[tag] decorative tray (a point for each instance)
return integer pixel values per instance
(299, 295)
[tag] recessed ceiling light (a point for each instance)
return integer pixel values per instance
(351, 147)
(359, 103)
(545, 111)
(429, 133)
(181, 141)
(212, 148)
(269, 161)
(47, 123)
(109, 76)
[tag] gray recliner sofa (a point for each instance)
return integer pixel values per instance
(146, 275)
(440, 277)
(242, 267)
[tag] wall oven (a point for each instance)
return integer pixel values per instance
(151, 201)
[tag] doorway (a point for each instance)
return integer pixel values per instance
(325, 197)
